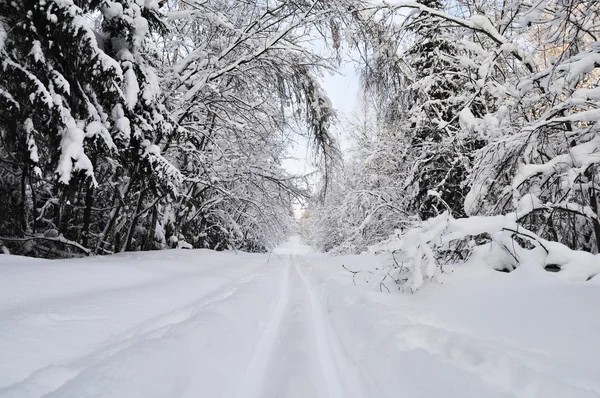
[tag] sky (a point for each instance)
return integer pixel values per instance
(342, 89)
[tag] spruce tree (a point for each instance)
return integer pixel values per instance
(440, 153)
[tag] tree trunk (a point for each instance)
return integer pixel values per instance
(87, 215)
(127, 246)
(23, 201)
(119, 202)
(151, 234)
(595, 222)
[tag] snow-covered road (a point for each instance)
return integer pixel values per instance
(290, 324)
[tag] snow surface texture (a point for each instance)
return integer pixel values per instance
(196, 323)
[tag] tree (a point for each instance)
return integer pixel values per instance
(57, 90)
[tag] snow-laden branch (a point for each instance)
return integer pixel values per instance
(478, 23)
(270, 43)
(416, 248)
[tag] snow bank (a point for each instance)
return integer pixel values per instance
(480, 334)
(420, 253)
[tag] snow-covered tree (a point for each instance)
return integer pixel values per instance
(364, 203)
(242, 83)
(81, 121)
(130, 124)
(519, 124)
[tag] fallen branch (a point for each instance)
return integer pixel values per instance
(58, 239)
(533, 238)
(352, 272)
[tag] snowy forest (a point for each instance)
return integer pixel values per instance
(131, 125)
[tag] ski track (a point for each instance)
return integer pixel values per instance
(251, 386)
(299, 330)
(334, 360)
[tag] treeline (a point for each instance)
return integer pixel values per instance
(139, 125)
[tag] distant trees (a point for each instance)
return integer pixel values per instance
(365, 202)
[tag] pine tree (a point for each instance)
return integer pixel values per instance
(440, 151)
(144, 127)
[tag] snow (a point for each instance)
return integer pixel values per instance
(592, 94)
(122, 123)
(141, 27)
(131, 87)
(95, 129)
(482, 22)
(579, 156)
(37, 53)
(581, 64)
(185, 14)
(533, 14)
(153, 150)
(152, 88)
(508, 48)
(31, 145)
(112, 9)
(189, 323)
(60, 82)
(468, 122)
(72, 154)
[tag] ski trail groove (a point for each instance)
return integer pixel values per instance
(252, 384)
(333, 360)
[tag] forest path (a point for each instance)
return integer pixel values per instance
(285, 325)
(299, 353)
